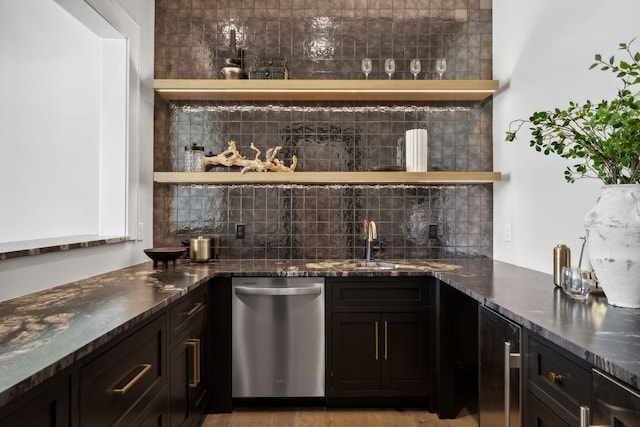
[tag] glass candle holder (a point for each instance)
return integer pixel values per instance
(194, 158)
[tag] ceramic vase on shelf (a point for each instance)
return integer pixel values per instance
(613, 236)
(416, 150)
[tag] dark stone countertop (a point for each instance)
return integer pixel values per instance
(45, 332)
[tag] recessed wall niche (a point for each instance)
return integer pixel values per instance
(327, 41)
(66, 125)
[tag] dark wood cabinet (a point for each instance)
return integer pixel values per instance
(121, 385)
(188, 391)
(500, 376)
(557, 383)
(219, 356)
(46, 406)
(355, 360)
(405, 352)
(405, 347)
(456, 352)
(153, 375)
(378, 338)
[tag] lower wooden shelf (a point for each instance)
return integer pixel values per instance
(362, 178)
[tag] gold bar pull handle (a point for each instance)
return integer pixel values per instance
(144, 368)
(194, 344)
(198, 359)
(196, 308)
(386, 353)
(376, 339)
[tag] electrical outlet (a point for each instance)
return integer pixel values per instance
(433, 231)
(239, 231)
(140, 232)
(507, 232)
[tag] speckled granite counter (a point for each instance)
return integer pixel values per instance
(42, 333)
(45, 332)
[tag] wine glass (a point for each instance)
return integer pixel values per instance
(441, 66)
(415, 68)
(389, 67)
(367, 66)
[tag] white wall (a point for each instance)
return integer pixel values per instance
(541, 54)
(29, 274)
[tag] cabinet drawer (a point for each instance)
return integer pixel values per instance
(538, 415)
(187, 312)
(125, 377)
(375, 291)
(558, 381)
(614, 403)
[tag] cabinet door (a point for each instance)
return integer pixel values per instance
(179, 376)
(355, 355)
(405, 351)
(559, 380)
(199, 394)
(188, 392)
(494, 333)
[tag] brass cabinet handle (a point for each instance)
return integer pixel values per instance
(555, 378)
(376, 339)
(196, 308)
(144, 368)
(386, 354)
(198, 359)
(195, 350)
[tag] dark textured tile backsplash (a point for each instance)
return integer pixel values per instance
(326, 40)
(327, 221)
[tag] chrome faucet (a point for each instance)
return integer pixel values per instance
(371, 234)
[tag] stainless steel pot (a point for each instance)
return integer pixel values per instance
(200, 249)
(232, 73)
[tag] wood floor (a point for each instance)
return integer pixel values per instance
(334, 417)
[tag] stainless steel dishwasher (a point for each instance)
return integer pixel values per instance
(278, 337)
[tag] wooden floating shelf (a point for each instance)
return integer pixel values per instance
(363, 178)
(324, 90)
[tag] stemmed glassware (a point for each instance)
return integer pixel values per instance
(366, 67)
(441, 66)
(415, 68)
(389, 67)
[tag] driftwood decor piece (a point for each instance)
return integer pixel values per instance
(232, 157)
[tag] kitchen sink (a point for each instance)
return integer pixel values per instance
(375, 264)
(357, 264)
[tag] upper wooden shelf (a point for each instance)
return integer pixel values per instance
(325, 90)
(320, 178)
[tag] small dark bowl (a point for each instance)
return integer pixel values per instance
(165, 255)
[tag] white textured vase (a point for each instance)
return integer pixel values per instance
(416, 150)
(613, 236)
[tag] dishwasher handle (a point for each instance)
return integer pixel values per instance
(284, 291)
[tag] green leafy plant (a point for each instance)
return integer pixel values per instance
(604, 137)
